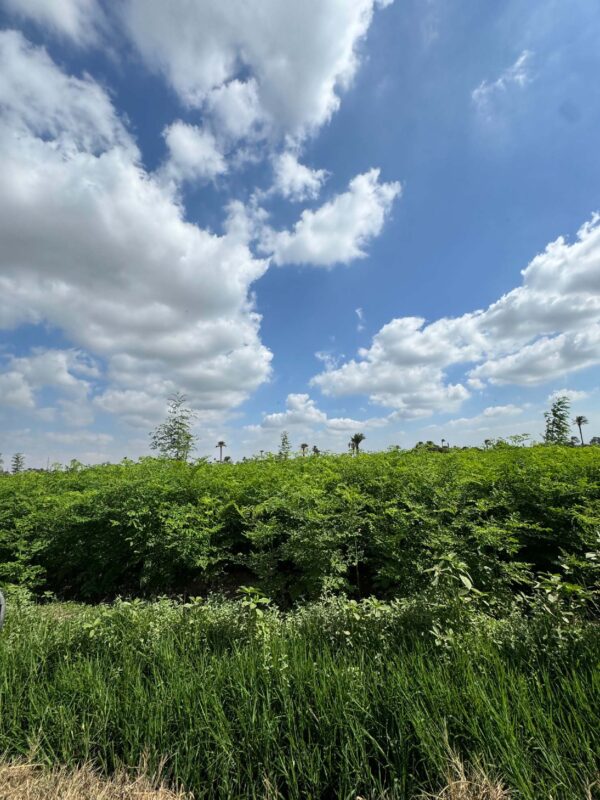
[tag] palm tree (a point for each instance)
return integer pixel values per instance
(303, 448)
(356, 440)
(579, 421)
(220, 445)
(316, 450)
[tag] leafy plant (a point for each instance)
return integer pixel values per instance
(174, 438)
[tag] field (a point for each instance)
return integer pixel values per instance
(312, 628)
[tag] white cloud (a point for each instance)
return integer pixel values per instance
(517, 75)
(95, 246)
(235, 109)
(329, 359)
(297, 57)
(138, 408)
(544, 359)
(547, 327)
(360, 325)
(38, 100)
(302, 414)
(296, 181)
(301, 410)
(79, 438)
(15, 391)
(338, 231)
(402, 370)
(490, 416)
(78, 20)
(572, 394)
(66, 371)
(193, 153)
(509, 410)
(57, 368)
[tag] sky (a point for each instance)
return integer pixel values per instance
(322, 217)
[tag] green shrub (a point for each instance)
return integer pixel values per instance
(390, 525)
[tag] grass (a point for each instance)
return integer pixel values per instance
(473, 784)
(24, 781)
(32, 782)
(333, 701)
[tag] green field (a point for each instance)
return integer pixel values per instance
(329, 626)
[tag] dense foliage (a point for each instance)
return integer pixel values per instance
(491, 523)
(392, 609)
(339, 699)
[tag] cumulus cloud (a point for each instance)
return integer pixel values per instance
(15, 391)
(545, 328)
(68, 372)
(283, 63)
(78, 20)
(545, 359)
(572, 394)
(338, 231)
(235, 109)
(40, 101)
(193, 153)
(138, 408)
(94, 245)
(300, 410)
(490, 416)
(302, 413)
(296, 181)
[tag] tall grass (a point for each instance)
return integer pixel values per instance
(336, 700)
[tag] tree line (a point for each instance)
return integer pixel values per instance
(174, 437)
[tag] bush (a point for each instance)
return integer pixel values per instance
(484, 525)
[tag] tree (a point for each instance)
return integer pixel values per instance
(174, 437)
(285, 447)
(220, 444)
(356, 440)
(558, 426)
(519, 439)
(316, 450)
(579, 421)
(595, 440)
(303, 448)
(17, 463)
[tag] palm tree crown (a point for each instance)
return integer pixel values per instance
(356, 440)
(220, 444)
(580, 421)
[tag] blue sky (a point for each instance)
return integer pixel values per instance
(323, 217)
